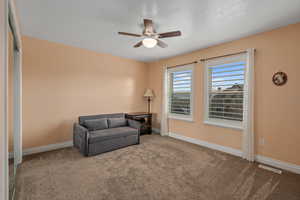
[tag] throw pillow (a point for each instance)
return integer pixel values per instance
(96, 124)
(117, 122)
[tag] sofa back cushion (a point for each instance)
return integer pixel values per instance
(117, 122)
(82, 119)
(96, 124)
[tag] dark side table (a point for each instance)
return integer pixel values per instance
(143, 117)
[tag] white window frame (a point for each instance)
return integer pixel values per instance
(190, 117)
(214, 62)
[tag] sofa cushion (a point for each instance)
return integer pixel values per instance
(117, 122)
(100, 135)
(101, 116)
(96, 124)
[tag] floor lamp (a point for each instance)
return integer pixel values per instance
(149, 95)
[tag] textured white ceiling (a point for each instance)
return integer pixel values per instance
(93, 24)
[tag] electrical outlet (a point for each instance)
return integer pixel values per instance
(262, 141)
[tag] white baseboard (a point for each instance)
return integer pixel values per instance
(229, 150)
(277, 163)
(236, 152)
(45, 148)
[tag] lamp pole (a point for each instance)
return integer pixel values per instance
(149, 99)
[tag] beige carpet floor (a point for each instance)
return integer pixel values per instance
(160, 168)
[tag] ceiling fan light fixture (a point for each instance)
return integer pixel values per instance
(151, 37)
(149, 42)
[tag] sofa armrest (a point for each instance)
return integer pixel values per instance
(137, 125)
(134, 124)
(80, 138)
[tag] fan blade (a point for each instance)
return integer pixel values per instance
(138, 44)
(129, 34)
(169, 34)
(161, 44)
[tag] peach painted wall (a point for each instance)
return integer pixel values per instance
(277, 109)
(61, 83)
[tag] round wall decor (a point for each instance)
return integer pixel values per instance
(279, 78)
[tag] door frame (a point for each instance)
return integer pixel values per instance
(17, 82)
(8, 17)
(4, 176)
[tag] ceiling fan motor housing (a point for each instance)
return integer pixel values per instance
(149, 33)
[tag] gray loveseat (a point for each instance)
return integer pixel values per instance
(97, 134)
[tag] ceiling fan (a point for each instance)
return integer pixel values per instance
(151, 38)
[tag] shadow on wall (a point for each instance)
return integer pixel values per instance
(155, 121)
(64, 128)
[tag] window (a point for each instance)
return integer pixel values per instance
(180, 92)
(224, 92)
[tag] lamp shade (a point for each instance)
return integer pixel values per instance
(148, 93)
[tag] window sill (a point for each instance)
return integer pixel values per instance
(188, 119)
(224, 124)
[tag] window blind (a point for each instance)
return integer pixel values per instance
(226, 87)
(180, 90)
